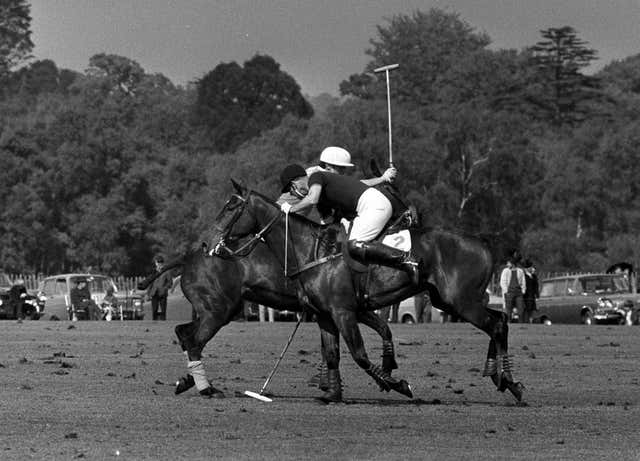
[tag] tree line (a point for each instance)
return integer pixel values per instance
(108, 167)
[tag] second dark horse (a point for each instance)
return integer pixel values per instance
(456, 271)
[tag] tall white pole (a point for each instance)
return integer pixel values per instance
(386, 70)
(389, 116)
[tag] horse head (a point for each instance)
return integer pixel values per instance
(240, 218)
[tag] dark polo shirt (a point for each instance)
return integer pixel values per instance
(338, 192)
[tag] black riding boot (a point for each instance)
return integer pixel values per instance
(379, 253)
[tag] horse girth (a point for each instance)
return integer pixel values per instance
(324, 240)
(328, 246)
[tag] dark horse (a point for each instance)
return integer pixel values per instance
(455, 271)
(216, 287)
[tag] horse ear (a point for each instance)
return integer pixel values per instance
(238, 187)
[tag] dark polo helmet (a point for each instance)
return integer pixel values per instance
(290, 173)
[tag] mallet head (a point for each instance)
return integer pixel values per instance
(258, 396)
(386, 68)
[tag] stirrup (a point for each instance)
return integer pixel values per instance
(412, 269)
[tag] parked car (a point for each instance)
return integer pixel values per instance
(407, 311)
(55, 291)
(251, 312)
(32, 307)
(587, 299)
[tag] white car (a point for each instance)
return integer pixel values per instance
(55, 291)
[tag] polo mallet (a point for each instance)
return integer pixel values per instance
(260, 395)
(386, 70)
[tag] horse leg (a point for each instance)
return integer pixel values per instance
(331, 383)
(494, 323)
(346, 321)
(320, 378)
(374, 322)
(498, 365)
(202, 331)
(185, 332)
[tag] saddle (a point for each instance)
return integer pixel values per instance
(332, 240)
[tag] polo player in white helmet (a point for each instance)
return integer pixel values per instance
(329, 189)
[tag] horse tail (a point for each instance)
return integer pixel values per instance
(175, 264)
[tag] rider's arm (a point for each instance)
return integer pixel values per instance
(309, 200)
(373, 181)
(388, 176)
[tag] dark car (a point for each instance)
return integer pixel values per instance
(587, 299)
(32, 306)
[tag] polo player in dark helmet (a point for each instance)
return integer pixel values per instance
(293, 180)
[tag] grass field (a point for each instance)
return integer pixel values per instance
(104, 390)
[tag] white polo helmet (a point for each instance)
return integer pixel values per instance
(336, 156)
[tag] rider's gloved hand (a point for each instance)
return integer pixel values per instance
(390, 174)
(285, 208)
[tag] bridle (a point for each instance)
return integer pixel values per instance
(221, 248)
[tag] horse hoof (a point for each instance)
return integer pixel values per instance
(212, 393)
(330, 397)
(327, 401)
(517, 389)
(404, 388)
(501, 383)
(184, 384)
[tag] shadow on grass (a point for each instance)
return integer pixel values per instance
(393, 402)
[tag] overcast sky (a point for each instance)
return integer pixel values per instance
(319, 42)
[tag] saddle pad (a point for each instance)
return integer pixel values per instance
(400, 240)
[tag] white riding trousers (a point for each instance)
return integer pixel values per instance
(374, 211)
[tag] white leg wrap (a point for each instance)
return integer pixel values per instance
(197, 371)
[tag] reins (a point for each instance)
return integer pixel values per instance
(222, 250)
(246, 247)
(243, 250)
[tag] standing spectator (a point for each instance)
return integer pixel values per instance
(159, 290)
(77, 296)
(109, 303)
(80, 300)
(17, 293)
(513, 286)
(531, 292)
